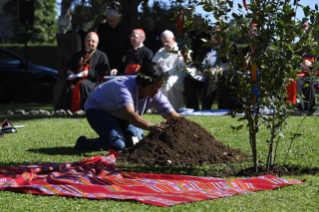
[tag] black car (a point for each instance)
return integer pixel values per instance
(13, 80)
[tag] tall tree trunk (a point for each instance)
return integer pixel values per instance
(130, 13)
(252, 137)
(270, 158)
(254, 149)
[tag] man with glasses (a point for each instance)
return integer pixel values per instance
(139, 55)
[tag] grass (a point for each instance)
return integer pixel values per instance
(52, 139)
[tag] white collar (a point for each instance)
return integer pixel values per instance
(88, 50)
(139, 47)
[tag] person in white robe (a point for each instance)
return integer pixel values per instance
(173, 63)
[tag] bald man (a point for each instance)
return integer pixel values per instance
(174, 87)
(139, 55)
(83, 72)
(114, 40)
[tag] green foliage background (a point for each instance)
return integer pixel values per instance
(45, 26)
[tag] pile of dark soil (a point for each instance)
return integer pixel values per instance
(184, 142)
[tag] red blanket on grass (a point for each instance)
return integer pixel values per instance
(97, 178)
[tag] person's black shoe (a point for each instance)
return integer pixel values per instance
(80, 142)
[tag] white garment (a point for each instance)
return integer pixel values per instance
(174, 87)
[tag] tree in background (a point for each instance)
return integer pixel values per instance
(93, 12)
(274, 60)
(44, 29)
(161, 13)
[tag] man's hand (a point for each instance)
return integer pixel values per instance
(113, 72)
(123, 59)
(154, 128)
(71, 78)
(85, 74)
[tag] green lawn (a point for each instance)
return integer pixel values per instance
(52, 140)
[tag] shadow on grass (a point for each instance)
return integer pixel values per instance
(193, 171)
(58, 151)
(10, 164)
(13, 118)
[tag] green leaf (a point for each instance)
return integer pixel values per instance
(273, 47)
(289, 47)
(306, 10)
(237, 128)
(239, 6)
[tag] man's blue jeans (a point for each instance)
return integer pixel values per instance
(115, 133)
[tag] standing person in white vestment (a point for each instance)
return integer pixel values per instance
(174, 87)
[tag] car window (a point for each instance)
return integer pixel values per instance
(8, 60)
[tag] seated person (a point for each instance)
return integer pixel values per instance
(209, 55)
(174, 87)
(115, 109)
(303, 78)
(139, 55)
(83, 71)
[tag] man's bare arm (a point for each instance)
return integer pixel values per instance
(171, 114)
(131, 116)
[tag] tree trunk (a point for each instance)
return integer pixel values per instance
(130, 13)
(252, 136)
(254, 149)
(270, 158)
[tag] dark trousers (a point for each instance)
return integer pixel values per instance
(113, 133)
(65, 99)
(308, 92)
(191, 87)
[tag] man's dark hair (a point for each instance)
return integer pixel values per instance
(150, 73)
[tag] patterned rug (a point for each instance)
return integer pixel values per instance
(97, 178)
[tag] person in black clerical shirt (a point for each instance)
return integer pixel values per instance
(137, 56)
(75, 24)
(114, 40)
(153, 35)
(83, 72)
